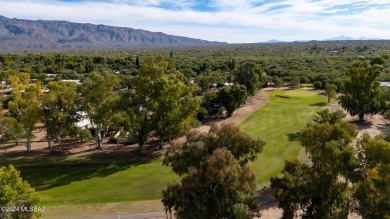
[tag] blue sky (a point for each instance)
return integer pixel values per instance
(233, 21)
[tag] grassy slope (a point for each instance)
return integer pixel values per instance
(277, 123)
(82, 183)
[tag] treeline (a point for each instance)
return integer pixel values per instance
(46, 67)
(318, 63)
(161, 101)
(233, 72)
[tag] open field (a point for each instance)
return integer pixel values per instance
(109, 183)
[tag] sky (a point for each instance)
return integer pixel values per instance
(232, 21)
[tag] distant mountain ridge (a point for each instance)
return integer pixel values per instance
(339, 38)
(20, 34)
(351, 38)
(274, 41)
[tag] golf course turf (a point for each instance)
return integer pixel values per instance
(78, 183)
(278, 123)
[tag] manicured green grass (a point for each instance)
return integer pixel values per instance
(117, 178)
(287, 112)
(98, 183)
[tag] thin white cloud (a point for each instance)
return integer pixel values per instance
(234, 5)
(173, 3)
(234, 21)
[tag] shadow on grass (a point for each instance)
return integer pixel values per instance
(43, 177)
(321, 104)
(294, 136)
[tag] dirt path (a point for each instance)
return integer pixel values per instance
(251, 105)
(373, 125)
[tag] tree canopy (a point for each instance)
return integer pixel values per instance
(361, 91)
(232, 97)
(60, 108)
(217, 181)
(320, 188)
(26, 104)
(175, 107)
(331, 91)
(373, 192)
(98, 101)
(247, 74)
(294, 83)
(278, 82)
(325, 116)
(14, 192)
(161, 101)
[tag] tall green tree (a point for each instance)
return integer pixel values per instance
(99, 102)
(294, 83)
(10, 128)
(278, 82)
(59, 107)
(4, 76)
(232, 97)
(386, 99)
(321, 188)
(325, 116)
(14, 192)
(211, 103)
(361, 92)
(26, 104)
(373, 193)
(141, 101)
(248, 74)
(331, 91)
(217, 181)
(204, 82)
(176, 107)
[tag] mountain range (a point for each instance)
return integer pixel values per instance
(339, 38)
(19, 34)
(351, 38)
(26, 35)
